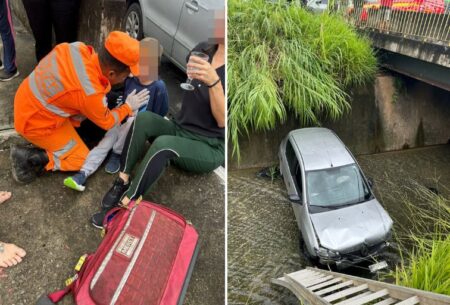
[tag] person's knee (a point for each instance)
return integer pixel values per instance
(164, 143)
(145, 121)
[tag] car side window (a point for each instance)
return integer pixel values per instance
(298, 178)
(294, 167)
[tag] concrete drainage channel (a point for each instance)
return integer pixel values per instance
(263, 235)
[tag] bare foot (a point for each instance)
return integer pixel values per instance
(4, 196)
(10, 255)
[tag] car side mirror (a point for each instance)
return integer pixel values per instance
(295, 198)
(371, 183)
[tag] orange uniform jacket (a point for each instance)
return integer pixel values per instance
(66, 87)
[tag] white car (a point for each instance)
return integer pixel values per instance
(340, 220)
(317, 6)
(179, 25)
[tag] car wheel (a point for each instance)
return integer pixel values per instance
(133, 21)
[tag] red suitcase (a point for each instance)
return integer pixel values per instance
(146, 257)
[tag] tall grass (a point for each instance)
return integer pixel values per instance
(424, 242)
(282, 58)
(428, 266)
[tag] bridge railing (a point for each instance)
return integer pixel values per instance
(422, 20)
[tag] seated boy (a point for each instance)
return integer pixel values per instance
(115, 137)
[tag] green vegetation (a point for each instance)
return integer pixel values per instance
(429, 266)
(282, 58)
(424, 243)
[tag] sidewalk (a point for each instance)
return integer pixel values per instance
(51, 222)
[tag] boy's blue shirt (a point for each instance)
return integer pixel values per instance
(159, 99)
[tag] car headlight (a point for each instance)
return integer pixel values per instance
(326, 253)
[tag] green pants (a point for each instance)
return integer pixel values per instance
(170, 143)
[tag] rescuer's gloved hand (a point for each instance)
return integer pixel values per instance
(136, 100)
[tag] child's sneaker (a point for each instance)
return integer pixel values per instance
(76, 182)
(113, 164)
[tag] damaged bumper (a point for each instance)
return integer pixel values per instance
(345, 260)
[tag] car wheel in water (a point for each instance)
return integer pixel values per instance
(133, 21)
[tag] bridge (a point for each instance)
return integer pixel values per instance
(412, 36)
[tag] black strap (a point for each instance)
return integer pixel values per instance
(215, 83)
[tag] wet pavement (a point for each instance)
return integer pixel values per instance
(263, 236)
(51, 222)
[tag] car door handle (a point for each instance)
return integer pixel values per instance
(192, 6)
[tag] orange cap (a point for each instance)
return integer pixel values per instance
(125, 49)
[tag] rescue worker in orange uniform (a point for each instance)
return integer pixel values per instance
(67, 86)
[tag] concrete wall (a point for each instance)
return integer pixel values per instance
(97, 19)
(393, 113)
(438, 54)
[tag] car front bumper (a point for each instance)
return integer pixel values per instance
(356, 257)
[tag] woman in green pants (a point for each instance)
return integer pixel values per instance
(194, 141)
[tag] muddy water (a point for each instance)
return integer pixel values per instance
(262, 233)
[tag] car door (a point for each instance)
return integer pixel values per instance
(194, 27)
(294, 177)
(302, 213)
(161, 20)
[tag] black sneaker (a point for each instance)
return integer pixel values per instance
(27, 163)
(97, 219)
(7, 76)
(113, 164)
(112, 197)
(1, 65)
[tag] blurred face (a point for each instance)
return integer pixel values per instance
(216, 26)
(149, 53)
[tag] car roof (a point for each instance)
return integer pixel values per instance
(320, 148)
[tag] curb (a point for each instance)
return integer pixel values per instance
(10, 136)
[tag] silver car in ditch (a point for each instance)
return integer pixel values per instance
(179, 25)
(340, 220)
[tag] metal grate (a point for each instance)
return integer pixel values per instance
(421, 20)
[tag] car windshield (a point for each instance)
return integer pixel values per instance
(336, 187)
